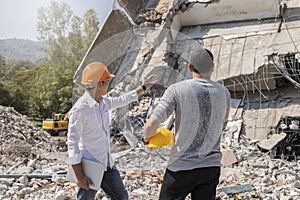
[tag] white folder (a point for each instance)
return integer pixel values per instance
(91, 169)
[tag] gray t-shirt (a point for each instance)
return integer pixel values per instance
(201, 110)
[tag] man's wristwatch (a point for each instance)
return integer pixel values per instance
(144, 87)
(145, 143)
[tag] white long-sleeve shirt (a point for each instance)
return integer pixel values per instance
(89, 131)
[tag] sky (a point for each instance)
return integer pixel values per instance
(18, 18)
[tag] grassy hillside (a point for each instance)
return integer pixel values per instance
(20, 49)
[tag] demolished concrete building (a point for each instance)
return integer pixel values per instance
(255, 44)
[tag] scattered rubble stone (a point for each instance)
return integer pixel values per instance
(21, 140)
(32, 153)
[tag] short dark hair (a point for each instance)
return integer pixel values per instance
(201, 61)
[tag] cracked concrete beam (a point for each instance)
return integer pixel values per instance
(111, 42)
(208, 12)
(271, 142)
(132, 7)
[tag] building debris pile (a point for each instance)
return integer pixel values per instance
(289, 146)
(20, 138)
(32, 165)
(149, 18)
(250, 173)
(29, 156)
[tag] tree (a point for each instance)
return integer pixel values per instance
(2, 61)
(61, 31)
(75, 41)
(5, 99)
(15, 84)
(12, 67)
(44, 99)
(91, 25)
(22, 86)
(53, 28)
(2, 66)
(68, 38)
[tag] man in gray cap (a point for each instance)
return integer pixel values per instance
(201, 110)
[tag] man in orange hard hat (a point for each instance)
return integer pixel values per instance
(89, 133)
(201, 110)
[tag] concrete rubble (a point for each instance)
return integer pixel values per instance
(259, 160)
(32, 163)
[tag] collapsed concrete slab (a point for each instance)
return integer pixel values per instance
(256, 51)
(111, 42)
(244, 51)
(271, 142)
(197, 12)
(132, 7)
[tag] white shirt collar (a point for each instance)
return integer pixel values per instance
(90, 100)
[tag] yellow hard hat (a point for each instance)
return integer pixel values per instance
(163, 137)
(94, 73)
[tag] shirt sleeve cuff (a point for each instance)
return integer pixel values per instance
(134, 95)
(75, 159)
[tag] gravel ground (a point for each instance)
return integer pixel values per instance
(32, 166)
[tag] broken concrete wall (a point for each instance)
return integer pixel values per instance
(197, 12)
(260, 121)
(132, 7)
(244, 60)
(242, 50)
(265, 79)
(124, 47)
(111, 42)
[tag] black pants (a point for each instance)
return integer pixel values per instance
(200, 182)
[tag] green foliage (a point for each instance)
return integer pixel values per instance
(22, 86)
(53, 29)
(5, 99)
(68, 38)
(2, 67)
(53, 22)
(10, 68)
(90, 26)
(2, 61)
(41, 91)
(75, 41)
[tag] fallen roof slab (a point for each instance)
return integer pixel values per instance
(244, 48)
(271, 142)
(111, 42)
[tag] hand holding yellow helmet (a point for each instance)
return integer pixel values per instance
(163, 137)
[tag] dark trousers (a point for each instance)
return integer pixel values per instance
(201, 183)
(112, 185)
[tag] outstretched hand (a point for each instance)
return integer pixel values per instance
(150, 81)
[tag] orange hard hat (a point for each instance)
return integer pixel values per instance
(95, 72)
(163, 137)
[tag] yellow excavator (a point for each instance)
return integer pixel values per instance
(57, 125)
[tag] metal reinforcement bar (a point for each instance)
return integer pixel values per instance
(39, 176)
